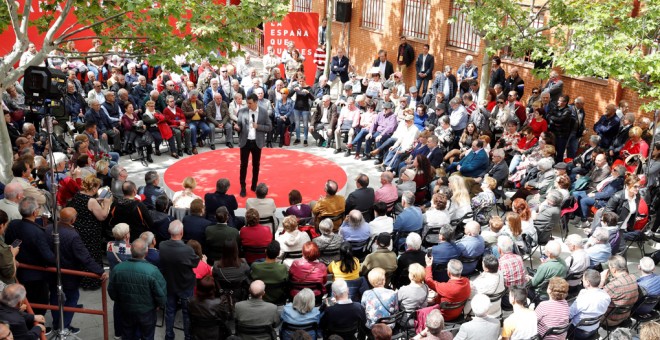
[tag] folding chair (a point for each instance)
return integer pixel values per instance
(255, 330)
(559, 330)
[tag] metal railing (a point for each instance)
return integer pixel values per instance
(302, 6)
(258, 46)
(417, 18)
(104, 295)
(372, 14)
(461, 33)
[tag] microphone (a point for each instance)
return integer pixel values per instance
(253, 120)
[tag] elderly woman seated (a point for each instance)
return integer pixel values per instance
(308, 271)
(414, 295)
(378, 302)
(548, 216)
(291, 240)
(300, 312)
(328, 242)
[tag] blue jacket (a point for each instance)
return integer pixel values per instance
(609, 190)
(471, 246)
(607, 130)
(35, 249)
(420, 121)
(208, 95)
(474, 164)
(410, 219)
(445, 251)
(194, 228)
(103, 122)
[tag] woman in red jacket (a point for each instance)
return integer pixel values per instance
(634, 146)
(308, 272)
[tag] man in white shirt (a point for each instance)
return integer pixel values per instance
(577, 262)
(590, 303)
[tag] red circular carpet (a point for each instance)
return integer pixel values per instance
(281, 169)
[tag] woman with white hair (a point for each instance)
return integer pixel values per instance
(300, 312)
(328, 242)
(435, 328)
(379, 302)
(412, 255)
(548, 216)
(355, 228)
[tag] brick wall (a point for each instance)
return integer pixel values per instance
(363, 45)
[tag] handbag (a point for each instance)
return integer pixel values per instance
(287, 137)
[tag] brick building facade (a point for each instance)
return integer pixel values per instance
(362, 42)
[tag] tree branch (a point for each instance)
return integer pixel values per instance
(26, 16)
(94, 37)
(13, 16)
(96, 23)
(56, 26)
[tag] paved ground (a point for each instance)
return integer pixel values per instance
(91, 326)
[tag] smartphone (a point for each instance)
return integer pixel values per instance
(16, 243)
(429, 252)
(104, 192)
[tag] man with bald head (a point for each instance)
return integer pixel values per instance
(256, 312)
(9, 204)
(607, 126)
(73, 255)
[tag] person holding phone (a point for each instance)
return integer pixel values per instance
(7, 253)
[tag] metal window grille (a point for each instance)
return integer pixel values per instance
(461, 33)
(258, 46)
(416, 19)
(539, 21)
(302, 5)
(372, 14)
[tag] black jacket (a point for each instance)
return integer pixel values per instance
(20, 323)
(216, 200)
(389, 68)
(194, 228)
(151, 192)
(361, 199)
(405, 55)
(620, 139)
(132, 212)
(177, 262)
(73, 254)
(619, 205)
(35, 249)
(559, 121)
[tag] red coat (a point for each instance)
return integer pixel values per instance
(174, 118)
(163, 127)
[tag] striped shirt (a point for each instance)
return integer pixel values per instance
(550, 314)
(513, 269)
(319, 57)
(623, 291)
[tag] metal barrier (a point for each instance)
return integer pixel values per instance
(104, 297)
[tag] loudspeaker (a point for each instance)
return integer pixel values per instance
(41, 83)
(343, 12)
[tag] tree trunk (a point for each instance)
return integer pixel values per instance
(328, 39)
(6, 153)
(484, 80)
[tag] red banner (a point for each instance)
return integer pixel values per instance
(302, 29)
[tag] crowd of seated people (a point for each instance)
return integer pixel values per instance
(466, 195)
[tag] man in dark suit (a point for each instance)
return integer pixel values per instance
(220, 198)
(151, 190)
(499, 170)
(194, 225)
(252, 126)
(405, 55)
(476, 162)
(384, 66)
(339, 68)
(436, 153)
(178, 261)
(320, 89)
(362, 198)
(73, 255)
(324, 118)
(445, 83)
(34, 250)
(16, 322)
(424, 66)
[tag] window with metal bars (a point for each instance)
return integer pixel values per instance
(372, 14)
(417, 18)
(302, 5)
(461, 33)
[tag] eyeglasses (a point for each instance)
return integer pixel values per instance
(223, 71)
(500, 102)
(535, 92)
